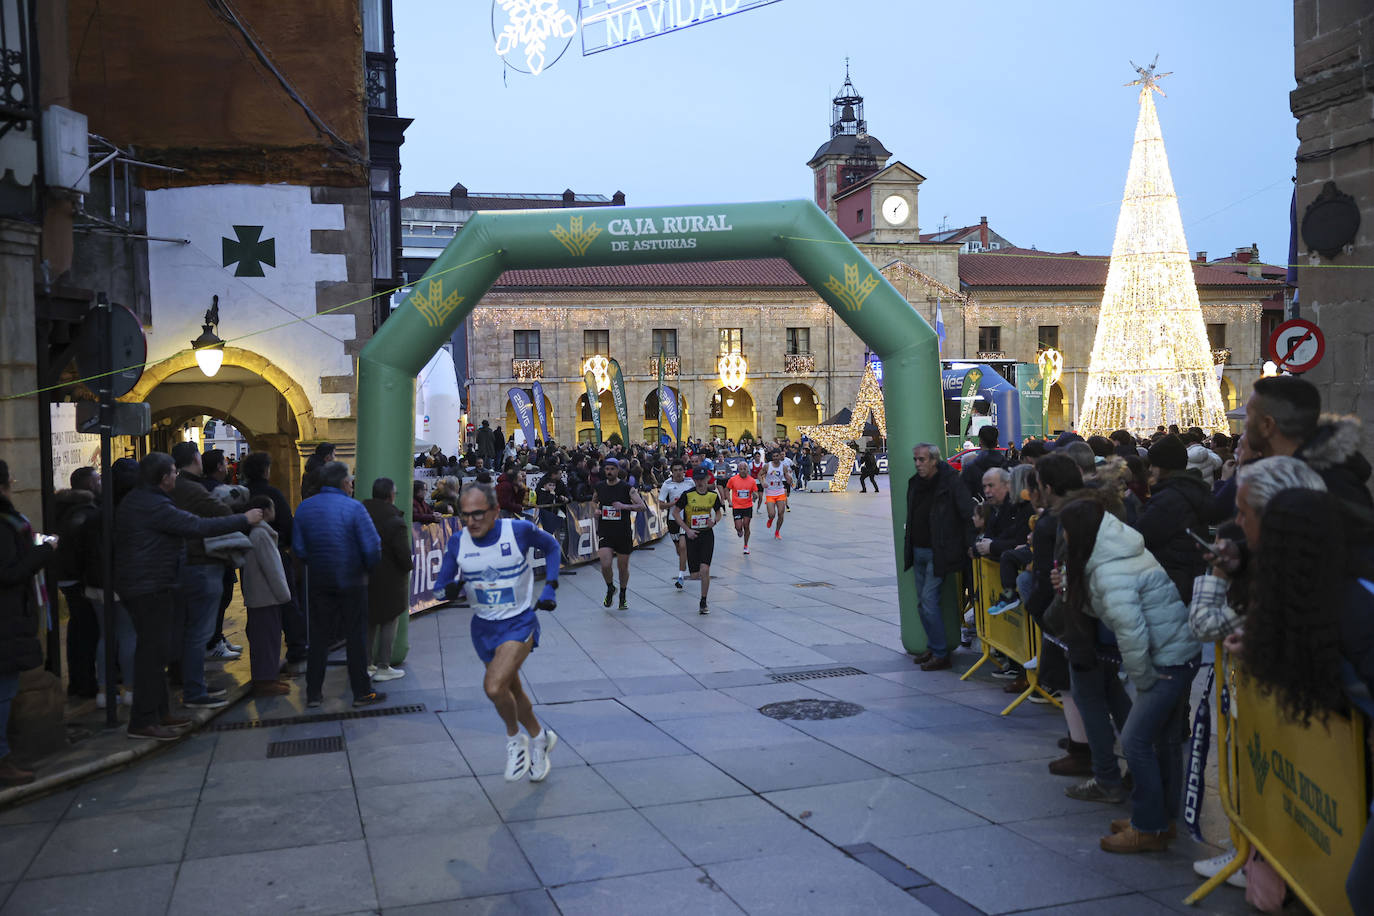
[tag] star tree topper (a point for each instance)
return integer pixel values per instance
(1148, 78)
(835, 438)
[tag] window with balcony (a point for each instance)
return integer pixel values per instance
(594, 342)
(1047, 337)
(1216, 336)
(798, 341)
(731, 340)
(665, 342)
(989, 339)
(527, 345)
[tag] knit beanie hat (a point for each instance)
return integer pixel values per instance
(1169, 454)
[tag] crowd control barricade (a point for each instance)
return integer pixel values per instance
(578, 540)
(1014, 633)
(1298, 794)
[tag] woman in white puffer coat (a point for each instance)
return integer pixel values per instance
(1111, 577)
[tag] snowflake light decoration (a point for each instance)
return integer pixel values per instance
(530, 25)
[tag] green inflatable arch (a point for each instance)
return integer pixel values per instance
(798, 231)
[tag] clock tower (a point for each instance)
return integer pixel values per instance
(870, 200)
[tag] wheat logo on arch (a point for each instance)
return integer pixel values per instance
(434, 305)
(576, 239)
(852, 292)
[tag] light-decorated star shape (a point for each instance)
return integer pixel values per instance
(835, 438)
(1149, 79)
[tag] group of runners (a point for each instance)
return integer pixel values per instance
(488, 559)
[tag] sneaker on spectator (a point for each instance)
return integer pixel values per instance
(541, 746)
(371, 670)
(223, 650)
(126, 698)
(966, 636)
(1124, 823)
(205, 702)
(1131, 840)
(1092, 790)
(314, 702)
(369, 699)
(1040, 698)
(388, 673)
(517, 756)
(1009, 673)
(155, 732)
(1004, 605)
(293, 669)
(1207, 868)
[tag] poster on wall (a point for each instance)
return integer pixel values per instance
(70, 449)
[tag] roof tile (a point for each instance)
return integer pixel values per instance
(1028, 267)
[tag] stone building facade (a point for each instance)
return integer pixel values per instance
(1334, 106)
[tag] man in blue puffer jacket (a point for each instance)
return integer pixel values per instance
(335, 538)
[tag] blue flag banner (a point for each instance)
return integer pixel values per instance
(524, 412)
(940, 325)
(1199, 741)
(539, 411)
(668, 409)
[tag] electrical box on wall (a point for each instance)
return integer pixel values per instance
(66, 149)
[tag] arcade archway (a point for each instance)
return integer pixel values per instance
(252, 394)
(798, 405)
(733, 411)
(798, 231)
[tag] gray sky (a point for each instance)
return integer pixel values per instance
(1011, 110)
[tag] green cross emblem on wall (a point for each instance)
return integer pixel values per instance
(249, 252)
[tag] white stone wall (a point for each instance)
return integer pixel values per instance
(184, 277)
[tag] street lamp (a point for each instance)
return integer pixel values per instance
(209, 349)
(796, 399)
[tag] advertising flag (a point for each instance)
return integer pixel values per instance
(940, 326)
(524, 412)
(539, 411)
(969, 392)
(594, 403)
(667, 399)
(622, 407)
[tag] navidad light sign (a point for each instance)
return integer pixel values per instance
(609, 24)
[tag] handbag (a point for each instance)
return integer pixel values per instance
(233, 548)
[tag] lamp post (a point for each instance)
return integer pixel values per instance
(209, 349)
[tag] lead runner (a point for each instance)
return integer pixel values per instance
(490, 556)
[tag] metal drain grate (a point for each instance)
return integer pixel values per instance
(303, 746)
(789, 676)
(811, 710)
(812, 585)
(317, 717)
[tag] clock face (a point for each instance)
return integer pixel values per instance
(896, 210)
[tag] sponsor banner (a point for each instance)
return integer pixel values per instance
(539, 409)
(622, 407)
(578, 538)
(593, 402)
(667, 401)
(970, 389)
(524, 412)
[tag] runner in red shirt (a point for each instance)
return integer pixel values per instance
(744, 496)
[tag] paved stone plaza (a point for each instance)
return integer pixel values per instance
(670, 792)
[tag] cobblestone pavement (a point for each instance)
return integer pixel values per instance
(670, 792)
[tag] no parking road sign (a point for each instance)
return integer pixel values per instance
(1297, 345)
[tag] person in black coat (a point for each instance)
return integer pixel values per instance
(20, 561)
(74, 507)
(939, 533)
(1006, 530)
(1179, 503)
(988, 456)
(388, 584)
(150, 549)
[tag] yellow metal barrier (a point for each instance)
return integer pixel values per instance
(1297, 794)
(1014, 633)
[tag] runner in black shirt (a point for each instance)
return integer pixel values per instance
(615, 501)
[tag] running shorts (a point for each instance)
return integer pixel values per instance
(700, 550)
(488, 634)
(616, 537)
(744, 513)
(780, 498)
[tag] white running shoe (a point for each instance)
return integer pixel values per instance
(1206, 868)
(517, 757)
(388, 674)
(540, 747)
(746, 550)
(371, 670)
(223, 650)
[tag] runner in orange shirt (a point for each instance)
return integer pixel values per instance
(744, 496)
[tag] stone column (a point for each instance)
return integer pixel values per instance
(19, 366)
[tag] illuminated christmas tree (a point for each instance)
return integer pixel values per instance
(1151, 361)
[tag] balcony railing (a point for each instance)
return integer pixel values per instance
(1221, 356)
(527, 370)
(798, 363)
(672, 366)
